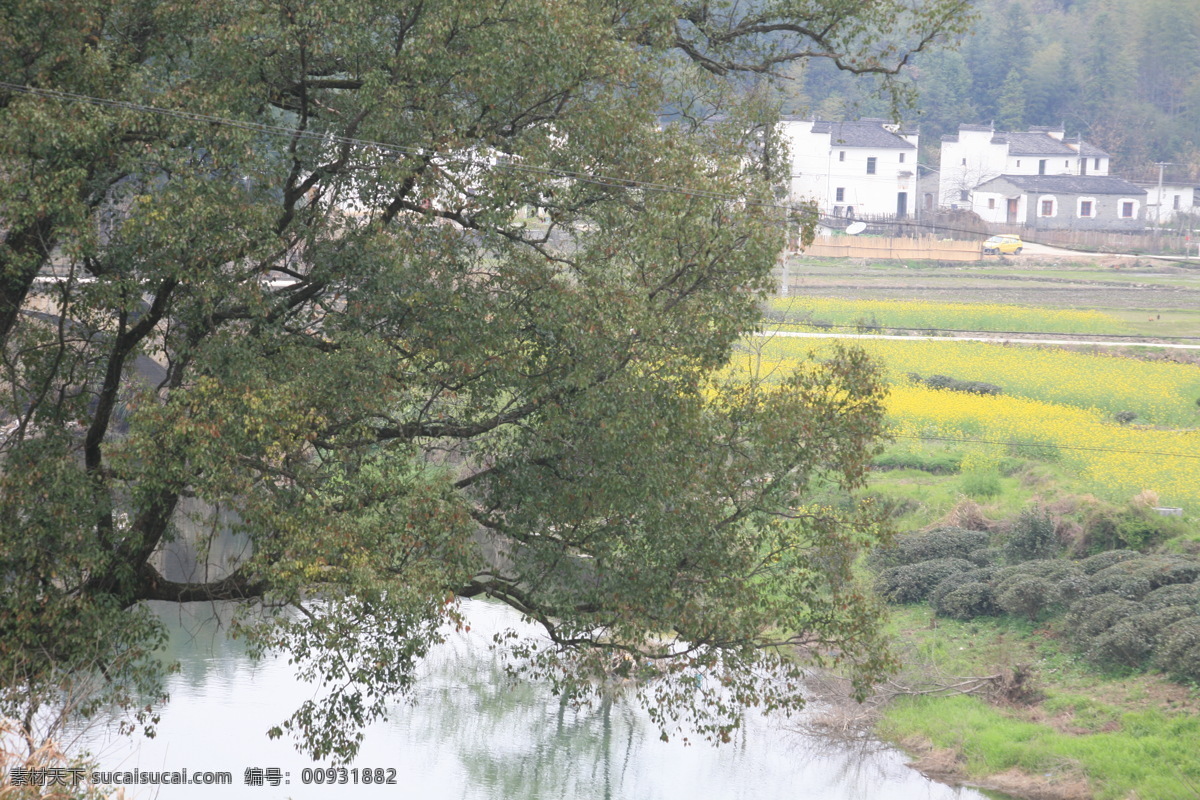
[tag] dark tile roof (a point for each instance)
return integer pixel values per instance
(862, 133)
(1032, 144)
(1089, 150)
(1070, 184)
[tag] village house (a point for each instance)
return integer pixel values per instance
(1054, 202)
(978, 153)
(865, 168)
(1166, 202)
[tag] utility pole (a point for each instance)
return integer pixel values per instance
(1158, 204)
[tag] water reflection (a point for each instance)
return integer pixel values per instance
(469, 732)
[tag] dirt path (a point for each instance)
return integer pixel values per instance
(993, 339)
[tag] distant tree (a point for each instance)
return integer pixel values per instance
(1010, 106)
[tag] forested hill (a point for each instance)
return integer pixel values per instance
(1126, 75)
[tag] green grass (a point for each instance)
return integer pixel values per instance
(954, 316)
(1125, 733)
(1150, 755)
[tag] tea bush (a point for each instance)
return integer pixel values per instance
(913, 548)
(1100, 561)
(986, 556)
(967, 601)
(1174, 595)
(1179, 652)
(1092, 616)
(984, 575)
(1027, 596)
(1136, 578)
(911, 583)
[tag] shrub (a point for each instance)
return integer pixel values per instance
(1140, 528)
(1174, 595)
(1125, 417)
(1125, 645)
(1027, 596)
(1178, 652)
(1154, 622)
(1044, 584)
(1134, 527)
(955, 385)
(911, 583)
(1092, 616)
(1054, 569)
(1100, 561)
(1032, 537)
(986, 556)
(967, 601)
(1136, 578)
(912, 548)
(949, 584)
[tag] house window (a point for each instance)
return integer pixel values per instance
(1047, 208)
(991, 202)
(902, 158)
(871, 165)
(1096, 164)
(1085, 208)
(1042, 167)
(1127, 209)
(1018, 162)
(1176, 202)
(841, 155)
(1067, 164)
(964, 162)
(963, 195)
(841, 195)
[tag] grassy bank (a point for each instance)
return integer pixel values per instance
(1081, 734)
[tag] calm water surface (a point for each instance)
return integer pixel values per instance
(470, 733)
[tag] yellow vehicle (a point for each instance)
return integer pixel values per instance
(1003, 243)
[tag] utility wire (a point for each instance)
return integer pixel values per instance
(432, 153)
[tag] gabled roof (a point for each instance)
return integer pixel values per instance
(1034, 143)
(1069, 184)
(1089, 150)
(862, 133)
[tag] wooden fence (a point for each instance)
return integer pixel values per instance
(901, 248)
(1163, 242)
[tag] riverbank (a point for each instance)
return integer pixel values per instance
(1001, 704)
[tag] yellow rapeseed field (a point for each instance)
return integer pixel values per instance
(1160, 392)
(1057, 404)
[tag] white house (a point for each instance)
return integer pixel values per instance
(1165, 202)
(853, 169)
(979, 153)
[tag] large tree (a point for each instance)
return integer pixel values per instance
(291, 291)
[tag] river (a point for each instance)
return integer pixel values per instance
(471, 733)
